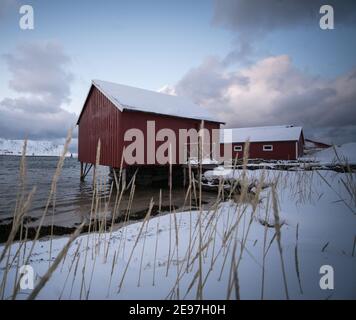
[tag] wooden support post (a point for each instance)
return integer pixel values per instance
(84, 170)
(81, 172)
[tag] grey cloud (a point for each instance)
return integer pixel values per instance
(242, 53)
(254, 18)
(251, 20)
(214, 80)
(208, 81)
(273, 91)
(336, 135)
(40, 69)
(34, 125)
(41, 80)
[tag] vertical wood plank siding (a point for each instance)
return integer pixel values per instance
(282, 150)
(101, 119)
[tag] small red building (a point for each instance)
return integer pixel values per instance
(272, 142)
(111, 109)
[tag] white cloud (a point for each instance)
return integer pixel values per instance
(273, 91)
(41, 80)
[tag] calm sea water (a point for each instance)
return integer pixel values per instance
(73, 196)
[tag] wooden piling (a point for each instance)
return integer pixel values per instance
(81, 171)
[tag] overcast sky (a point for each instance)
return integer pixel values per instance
(250, 62)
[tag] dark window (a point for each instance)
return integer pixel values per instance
(267, 147)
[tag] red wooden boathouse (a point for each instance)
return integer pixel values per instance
(111, 109)
(270, 143)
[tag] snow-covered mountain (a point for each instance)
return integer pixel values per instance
(34, 148)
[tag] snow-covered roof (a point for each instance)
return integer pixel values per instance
(136, 99)
(261, 134)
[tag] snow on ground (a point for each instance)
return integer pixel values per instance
(237, 174)
(326, 234)
(34, 148)
(195, 161)
(345, 153)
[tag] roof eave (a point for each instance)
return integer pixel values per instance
(128, 109)
(112, 100)
(83, 107)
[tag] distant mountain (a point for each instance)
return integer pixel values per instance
(34, 148)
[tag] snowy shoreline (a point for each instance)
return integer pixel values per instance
(128, 256)
(40, 148)
(68, 155)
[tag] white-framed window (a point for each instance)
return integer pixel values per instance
(237, 148)
(267, 147)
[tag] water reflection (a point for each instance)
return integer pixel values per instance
(73, 197)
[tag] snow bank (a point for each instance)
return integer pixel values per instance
(326, 233)
(345, 153)
(195, 161)
(237, 174)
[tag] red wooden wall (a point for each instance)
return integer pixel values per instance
(282, 150)
(139, 120)
(101, 119)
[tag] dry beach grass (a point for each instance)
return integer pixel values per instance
(214, 240)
